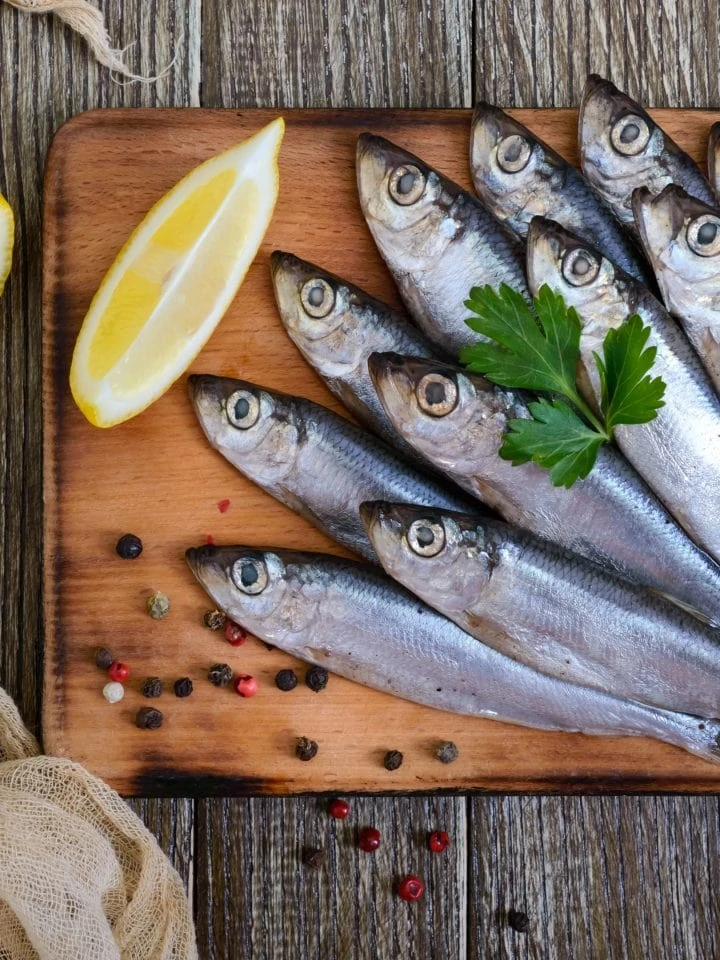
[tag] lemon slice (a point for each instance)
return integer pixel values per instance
(173, 280)
(7, 237)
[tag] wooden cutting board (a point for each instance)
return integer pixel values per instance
(156, 476)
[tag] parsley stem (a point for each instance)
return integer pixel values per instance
(587, 412)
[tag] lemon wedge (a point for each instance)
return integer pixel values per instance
(7, 237)
(174, 279)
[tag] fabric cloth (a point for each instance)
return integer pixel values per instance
(81, 878)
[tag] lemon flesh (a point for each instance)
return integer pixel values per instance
(173, 281)
(7, 237)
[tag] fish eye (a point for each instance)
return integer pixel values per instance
(243, 409)
(250, 575)
(317, 297)
(426, 538)
(513, 153)
(703, 235)
(630, 135)
(580, 267)
(437, 394)
(407, 184)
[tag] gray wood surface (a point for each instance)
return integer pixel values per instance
(598, 877)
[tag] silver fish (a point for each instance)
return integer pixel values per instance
(681, 236)
(622, 148)
(457, 420)
(549, 609)
(436, 238)
(518, 176)
(359, 624)
(336, 326)
(677, 453)
(309, 458)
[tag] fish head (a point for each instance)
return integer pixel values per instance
(587, 280)
(450, 416)
(254, 428)
(320, 312)
(430, 551)
(506, 159)
(403, 200)
(681, 236)
(247, 584)
(620, 145)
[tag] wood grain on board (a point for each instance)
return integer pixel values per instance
(156, 476)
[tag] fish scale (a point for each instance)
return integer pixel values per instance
(356, 622)
(550, 609)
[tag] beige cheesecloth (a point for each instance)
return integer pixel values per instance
(81, 878)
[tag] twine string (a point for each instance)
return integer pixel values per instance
(88, 21)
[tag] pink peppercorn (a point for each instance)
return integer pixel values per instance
(118, 672)
(411, 888)
(338, 808)
(369, 839)
(438, 841)
(234, 634)
(245, 685)
(223, 506)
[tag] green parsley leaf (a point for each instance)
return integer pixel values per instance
(628, 394)
(556, 439)
(538, 348)
(532, 350)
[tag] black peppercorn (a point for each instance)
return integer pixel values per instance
(286, 680)
(316, 678)
(220, 674)
(152, 687)
(393, 760)
(305, 749)
(313, 857)
(446, 752)
(518, 920)
(129, 547)
(148, 718)
(183, 687)
(103, 658)
(214, 620)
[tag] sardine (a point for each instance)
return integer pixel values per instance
(353, 620)
(518, 177)
(622, 148)
(681, 236)
(549, 609)
(457, 421)
(336, 326)
(309, 458)
(437, 239)
(677, 453)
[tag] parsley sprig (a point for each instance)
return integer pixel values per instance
(538, 348)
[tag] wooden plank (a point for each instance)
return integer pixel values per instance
(48, 77)
(156, 475)
(537, 53)
(337, 53)
(262, 901)
(618, 877)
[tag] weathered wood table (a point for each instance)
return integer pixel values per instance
(598, 876)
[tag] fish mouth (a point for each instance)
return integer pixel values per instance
(282, 264)
(661, 217)
(488, 128)
(547, 241)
